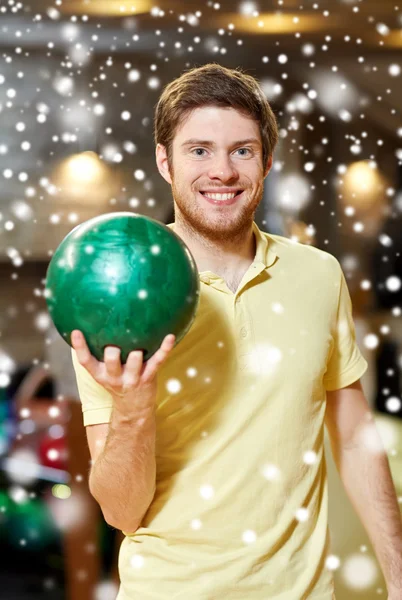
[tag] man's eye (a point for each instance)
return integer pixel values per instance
(197, 150)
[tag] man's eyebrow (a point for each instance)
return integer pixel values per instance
(196, 142)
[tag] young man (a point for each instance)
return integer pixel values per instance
(219, 481)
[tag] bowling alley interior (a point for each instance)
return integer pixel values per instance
(79, 82)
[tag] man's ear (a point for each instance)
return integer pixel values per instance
(162, 162)
(268, 166)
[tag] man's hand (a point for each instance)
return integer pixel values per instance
(133, 386)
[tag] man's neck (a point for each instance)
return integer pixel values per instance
(222, 258)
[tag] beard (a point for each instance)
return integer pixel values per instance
(213, 223)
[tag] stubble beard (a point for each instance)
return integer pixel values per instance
(227, 224)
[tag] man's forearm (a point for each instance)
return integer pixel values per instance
(122, 480)
(367, 479)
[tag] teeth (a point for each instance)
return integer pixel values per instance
(220, 196)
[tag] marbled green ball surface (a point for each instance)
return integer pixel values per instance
(123, 279)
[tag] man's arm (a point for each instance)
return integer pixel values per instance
(363, 467)
(122, 477)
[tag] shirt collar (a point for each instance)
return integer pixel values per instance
(264, 255)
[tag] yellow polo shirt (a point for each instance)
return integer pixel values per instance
(240, 509)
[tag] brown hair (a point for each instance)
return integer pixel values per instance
(213, 84)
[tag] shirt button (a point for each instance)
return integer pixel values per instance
(243, 332)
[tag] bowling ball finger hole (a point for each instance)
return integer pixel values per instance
(111, 345)
(144, 350)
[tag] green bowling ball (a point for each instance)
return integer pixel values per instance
(125, 280)
(5, 508)
(31, 524)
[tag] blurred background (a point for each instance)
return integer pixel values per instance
(79, 80)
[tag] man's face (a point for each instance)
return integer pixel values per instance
(216, 150)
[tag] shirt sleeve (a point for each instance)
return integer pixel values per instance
(345, 363)
(96, 401)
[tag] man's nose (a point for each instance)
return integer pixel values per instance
(222, 167)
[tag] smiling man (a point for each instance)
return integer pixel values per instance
(217, 185)
(238, 505)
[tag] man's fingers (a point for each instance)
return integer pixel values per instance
(85, 358)
(111, 358)
(133, 366)
(158, 358)
(112, 362)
